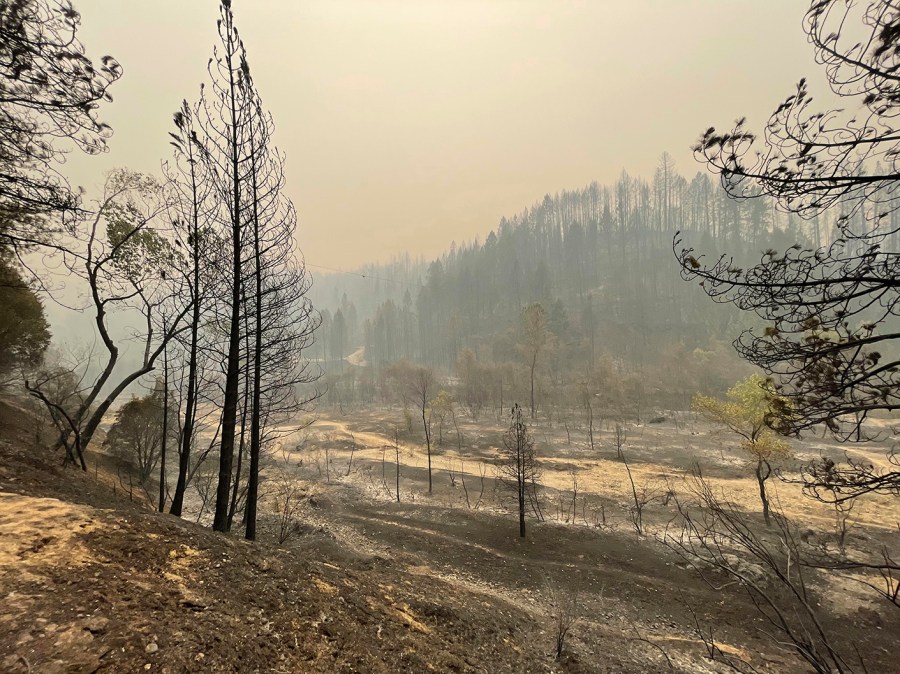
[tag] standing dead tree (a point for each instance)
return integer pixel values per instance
(397, 460)
(842, 511)
(573, 476)
(416, 384)
(517, 467)
(167, 428)
(421, 383)
(263, 319)
(205, 428)
(537, 338)
(587, 398)
(223, 126)
(451, 472)
(191, 216)
(352, 450)
(641, 497)
(283, 318)
(620, 438)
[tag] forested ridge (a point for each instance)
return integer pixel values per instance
(598, 259)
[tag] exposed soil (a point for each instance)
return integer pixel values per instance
(631, 587)
(92, 582)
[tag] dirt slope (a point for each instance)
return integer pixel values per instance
(92, 583)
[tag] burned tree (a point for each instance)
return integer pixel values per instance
(537, 338)
(223, 125)
(283, 320)
(282, 374)
(517, 467)
(191, 216)
(415, 385)
(230, 179)
(773, 570)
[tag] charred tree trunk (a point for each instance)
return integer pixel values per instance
(165, 435)
(245, 409)
(255, 415)
(190, 411)
(521, 495)
(427, 443)
(232, 374)
(533, 365)
(763, 471)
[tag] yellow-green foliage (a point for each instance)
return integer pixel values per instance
(442, 403)
(749, 409)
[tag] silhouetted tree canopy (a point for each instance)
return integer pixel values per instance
(830, 335)
(24, 333)
(49, 91)
(808, 159)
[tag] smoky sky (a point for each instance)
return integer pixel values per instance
(409, 124)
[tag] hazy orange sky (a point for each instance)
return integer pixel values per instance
(409, 124)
